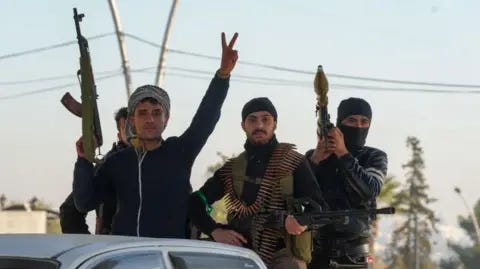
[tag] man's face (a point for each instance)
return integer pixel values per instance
(259, 127)
(356, 121)
(149, 120)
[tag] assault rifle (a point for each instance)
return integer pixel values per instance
(87, 110)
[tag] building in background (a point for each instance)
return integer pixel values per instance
(31, 217)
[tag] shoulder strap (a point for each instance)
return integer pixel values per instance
(239, 166)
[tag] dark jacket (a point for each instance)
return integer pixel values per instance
(73, 221)
(351, 182)
(152, 188)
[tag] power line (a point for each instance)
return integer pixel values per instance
(304, 84)
(257, 80)
(393, 89)
(245, 78)
(153, 44)
(50, 89)
(43, 79)
(291, 70)
(273, 67)
(56, 46)
(236, 77)
(28, 81)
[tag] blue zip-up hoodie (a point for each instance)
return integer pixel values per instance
(152, 187)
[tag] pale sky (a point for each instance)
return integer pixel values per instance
(431, 41)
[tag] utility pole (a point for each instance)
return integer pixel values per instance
(121, 45)
(471, 213)
(166, 36)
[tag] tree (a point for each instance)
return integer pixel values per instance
(389, 189)
(468, 256)
(411, 245)
(450, 263)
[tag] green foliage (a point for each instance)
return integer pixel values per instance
(411, 242)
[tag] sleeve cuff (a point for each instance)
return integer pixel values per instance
(212, 226)
(218, 74)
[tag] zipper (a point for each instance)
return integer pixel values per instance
(140, 195)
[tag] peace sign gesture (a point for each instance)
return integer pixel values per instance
(229, 56)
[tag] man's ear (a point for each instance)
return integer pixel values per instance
(166, 120)
(243, 125)
(275, 126)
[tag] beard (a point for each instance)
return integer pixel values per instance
(259, 140)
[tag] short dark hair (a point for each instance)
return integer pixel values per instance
(122, 113)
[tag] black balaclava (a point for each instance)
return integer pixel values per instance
(354, 137)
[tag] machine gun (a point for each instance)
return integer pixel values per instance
(308, 213)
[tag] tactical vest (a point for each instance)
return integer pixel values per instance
(275, 193)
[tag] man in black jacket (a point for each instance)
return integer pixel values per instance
(351, 176)
(264, 178)
(72, 220)
(151, 179)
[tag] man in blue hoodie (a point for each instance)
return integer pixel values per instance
(151, 179)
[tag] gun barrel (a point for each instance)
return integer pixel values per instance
(77, 18)
(338, 217)
(358, 212)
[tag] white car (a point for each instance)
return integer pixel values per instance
(32, 251)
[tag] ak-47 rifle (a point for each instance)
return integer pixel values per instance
(308, 213)
(87, 110)
(323, 117)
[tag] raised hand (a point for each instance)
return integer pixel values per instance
(340, 148)
(229, 56)
(79, 147)
(322, 151)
